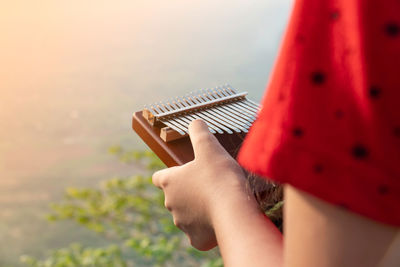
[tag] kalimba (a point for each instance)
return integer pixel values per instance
(163, 126)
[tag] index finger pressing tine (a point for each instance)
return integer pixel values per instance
(203, 141)
(197, 125)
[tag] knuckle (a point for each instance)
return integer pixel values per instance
(168, 205)
(164, 182)
(178, 224)
(155, 177)
(159, 179)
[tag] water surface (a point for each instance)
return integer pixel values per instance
(72, 72)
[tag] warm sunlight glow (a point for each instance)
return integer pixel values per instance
(72, 72)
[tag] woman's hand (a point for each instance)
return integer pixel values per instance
(195, 191)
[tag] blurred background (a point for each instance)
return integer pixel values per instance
(73, 72)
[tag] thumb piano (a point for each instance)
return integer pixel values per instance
(163, 126)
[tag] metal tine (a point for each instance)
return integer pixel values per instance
(211, 121)
(195, 99)
(237, 127)
(177, 127)
(184, 126)
(255, 105)
(239, 108)
(161, 107)
(179, 123)
(226, 122)
(223, 119)
(205, 117)
(187, 122)
(218, 109)
(256, 110)
(244, 108)
(230, 88)
(233, 120)
(202, 96)
(174, 107)
(170, 107)
(173, 126)
(251, 114)
(150, 108)
(223, 91)
(208, 91)
(190, 116)
(167, 106)
(238, 116)
(154, 107)
(231, 91)
(218, 122)
(245, 105)
(244, 113)
(211, 127)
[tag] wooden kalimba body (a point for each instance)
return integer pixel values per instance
(163, 126)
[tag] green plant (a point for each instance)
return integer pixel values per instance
(76, 255)
(130, 212)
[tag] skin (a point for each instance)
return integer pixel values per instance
(209, 202)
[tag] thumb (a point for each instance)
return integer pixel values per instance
(204, 143)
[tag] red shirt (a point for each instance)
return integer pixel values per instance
(330, 122)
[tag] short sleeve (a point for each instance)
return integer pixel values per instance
(330, 118)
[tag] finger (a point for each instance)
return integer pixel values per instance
(160, 178)
(156, 178)
(203, 141)
(178, 223)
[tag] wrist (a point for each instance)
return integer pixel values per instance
(232, 203)
(245, 236)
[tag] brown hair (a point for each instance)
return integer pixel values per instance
(269, 196)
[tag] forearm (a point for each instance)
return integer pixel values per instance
(246, 237)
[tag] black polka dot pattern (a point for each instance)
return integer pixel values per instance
(318, 168)
(383, 190)
(335, 15)
(359, 151)
(318, 78)
(339, 114)
(396, 131)
(297, 132)
(300, 38)
(392, 29)
(375, 92)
